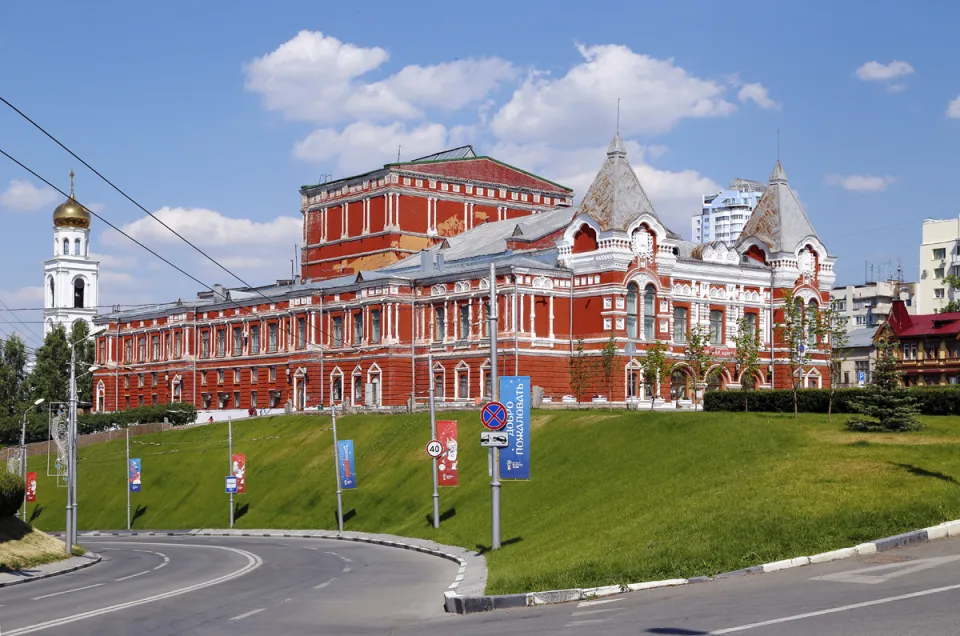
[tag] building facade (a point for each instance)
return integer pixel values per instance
(869, 304)
(860, 354)
(939, 256)
(566, 278)
(71, 278)
(724, 214)
(928, 346)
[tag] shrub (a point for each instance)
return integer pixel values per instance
(931, 400)
(11, 493)
(177, 414)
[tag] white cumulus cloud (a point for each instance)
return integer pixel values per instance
(759, 95)
(316, 77)
(953, 109)
(874, 71)
(860, 182)
(23, 196)
(209, 228)
(581, 106)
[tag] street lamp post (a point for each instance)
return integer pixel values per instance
(23, 456)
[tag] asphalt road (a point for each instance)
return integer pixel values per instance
(161, 586)
(905, 592)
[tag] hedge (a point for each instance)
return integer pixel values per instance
(930, 399)
(11, 493)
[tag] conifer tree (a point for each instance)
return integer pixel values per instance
(884, 405)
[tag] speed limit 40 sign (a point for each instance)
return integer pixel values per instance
(435, 448)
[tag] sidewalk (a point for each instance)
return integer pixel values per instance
(49, 569)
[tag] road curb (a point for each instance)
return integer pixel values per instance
(472, 604)
(69, 565)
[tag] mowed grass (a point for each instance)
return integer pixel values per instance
(616, 497)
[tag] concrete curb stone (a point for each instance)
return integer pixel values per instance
(51, 569)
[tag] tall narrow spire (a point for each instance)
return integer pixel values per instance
(616, 147)
(71, 183)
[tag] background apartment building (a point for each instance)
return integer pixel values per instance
(939, 256)
(869, 304)
(724, 214)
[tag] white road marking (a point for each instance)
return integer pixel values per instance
(589, 621)
(898, 569)
(76, 589)
(132, 576)
(323, 585)
(834, 610)
(595, 611)
(248, 614)
(598, 602)
(253, 562)
(346, 569)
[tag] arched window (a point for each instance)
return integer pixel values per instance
(585, 240)
(78, 288)
(76, 247)
(811, 319)
(66, 247)
(53, 295)
(633, 293)
(649, 312)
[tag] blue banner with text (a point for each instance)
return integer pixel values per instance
(515, 396)
(348, 470)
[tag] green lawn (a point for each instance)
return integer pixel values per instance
(616, 497)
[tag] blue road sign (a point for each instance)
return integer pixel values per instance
(348, 469)
(862, 377)
(494, 415)
(231, 484)
(515, 458)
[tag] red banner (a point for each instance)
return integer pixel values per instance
(239, 470)
(31, 486)
(447, 472)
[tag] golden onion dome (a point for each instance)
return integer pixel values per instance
(70, 213)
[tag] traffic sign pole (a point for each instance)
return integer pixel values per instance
(433, 435)
(495, 391)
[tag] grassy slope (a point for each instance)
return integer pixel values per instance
(21, 546)
(615, 497)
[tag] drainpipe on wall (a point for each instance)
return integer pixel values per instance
(772, 334)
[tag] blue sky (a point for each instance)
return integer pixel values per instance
(213, 114)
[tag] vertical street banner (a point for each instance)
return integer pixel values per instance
(135, 475)
(348, 471)
(515, 397)
(31, 486)
(239, 470)
(447, 472)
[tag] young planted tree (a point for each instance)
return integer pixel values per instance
(952, 281)
(884, 405)
(608, 364)
(698, 356)
(747, 356)
(580, 372)
(792, 333)
(832, 329)
(655, 367)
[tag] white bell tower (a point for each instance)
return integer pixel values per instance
(71, 277)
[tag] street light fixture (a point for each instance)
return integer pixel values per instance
(23, 456)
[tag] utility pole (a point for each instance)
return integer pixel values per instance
(230, 460)
(71, 452)
(495, 395)
(336, 465)
(433, 435)
(127, 478)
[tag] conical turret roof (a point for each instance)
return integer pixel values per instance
(778, 220)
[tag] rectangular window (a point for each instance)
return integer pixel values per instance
(155, 347)
(253, 375)
(357, 328)
(939, 253)
(273, 374)
(272, 335)
(751, 323)
(236, 376)
(440, 324)
(487, 384)
(139, 400)
(153, 399)
(254, 339)
(253, 399)
(203, 378)
(374, 326)
(485, 320)
(236, 399)
(126, 381)
(126, 401)
(337, 335)
(237, 341)
(463, 385)
(938, 292)
(154, 378)
(301, 333)
(177, 344)
(142, 350)
(938, 272)
(205, 344)
(219, 376)
(140, 381)
(221, 343)
(464, 321)
(679, 324)
(716, 327)
(128, 351)
(101, 352)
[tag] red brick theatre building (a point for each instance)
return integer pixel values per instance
(396, 266)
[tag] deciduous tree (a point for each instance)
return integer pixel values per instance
(747, 356)
(656, 366)
(698, 356)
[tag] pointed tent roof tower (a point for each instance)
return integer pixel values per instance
(778, 220)
(616, 198)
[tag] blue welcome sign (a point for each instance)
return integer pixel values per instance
(515, 396)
